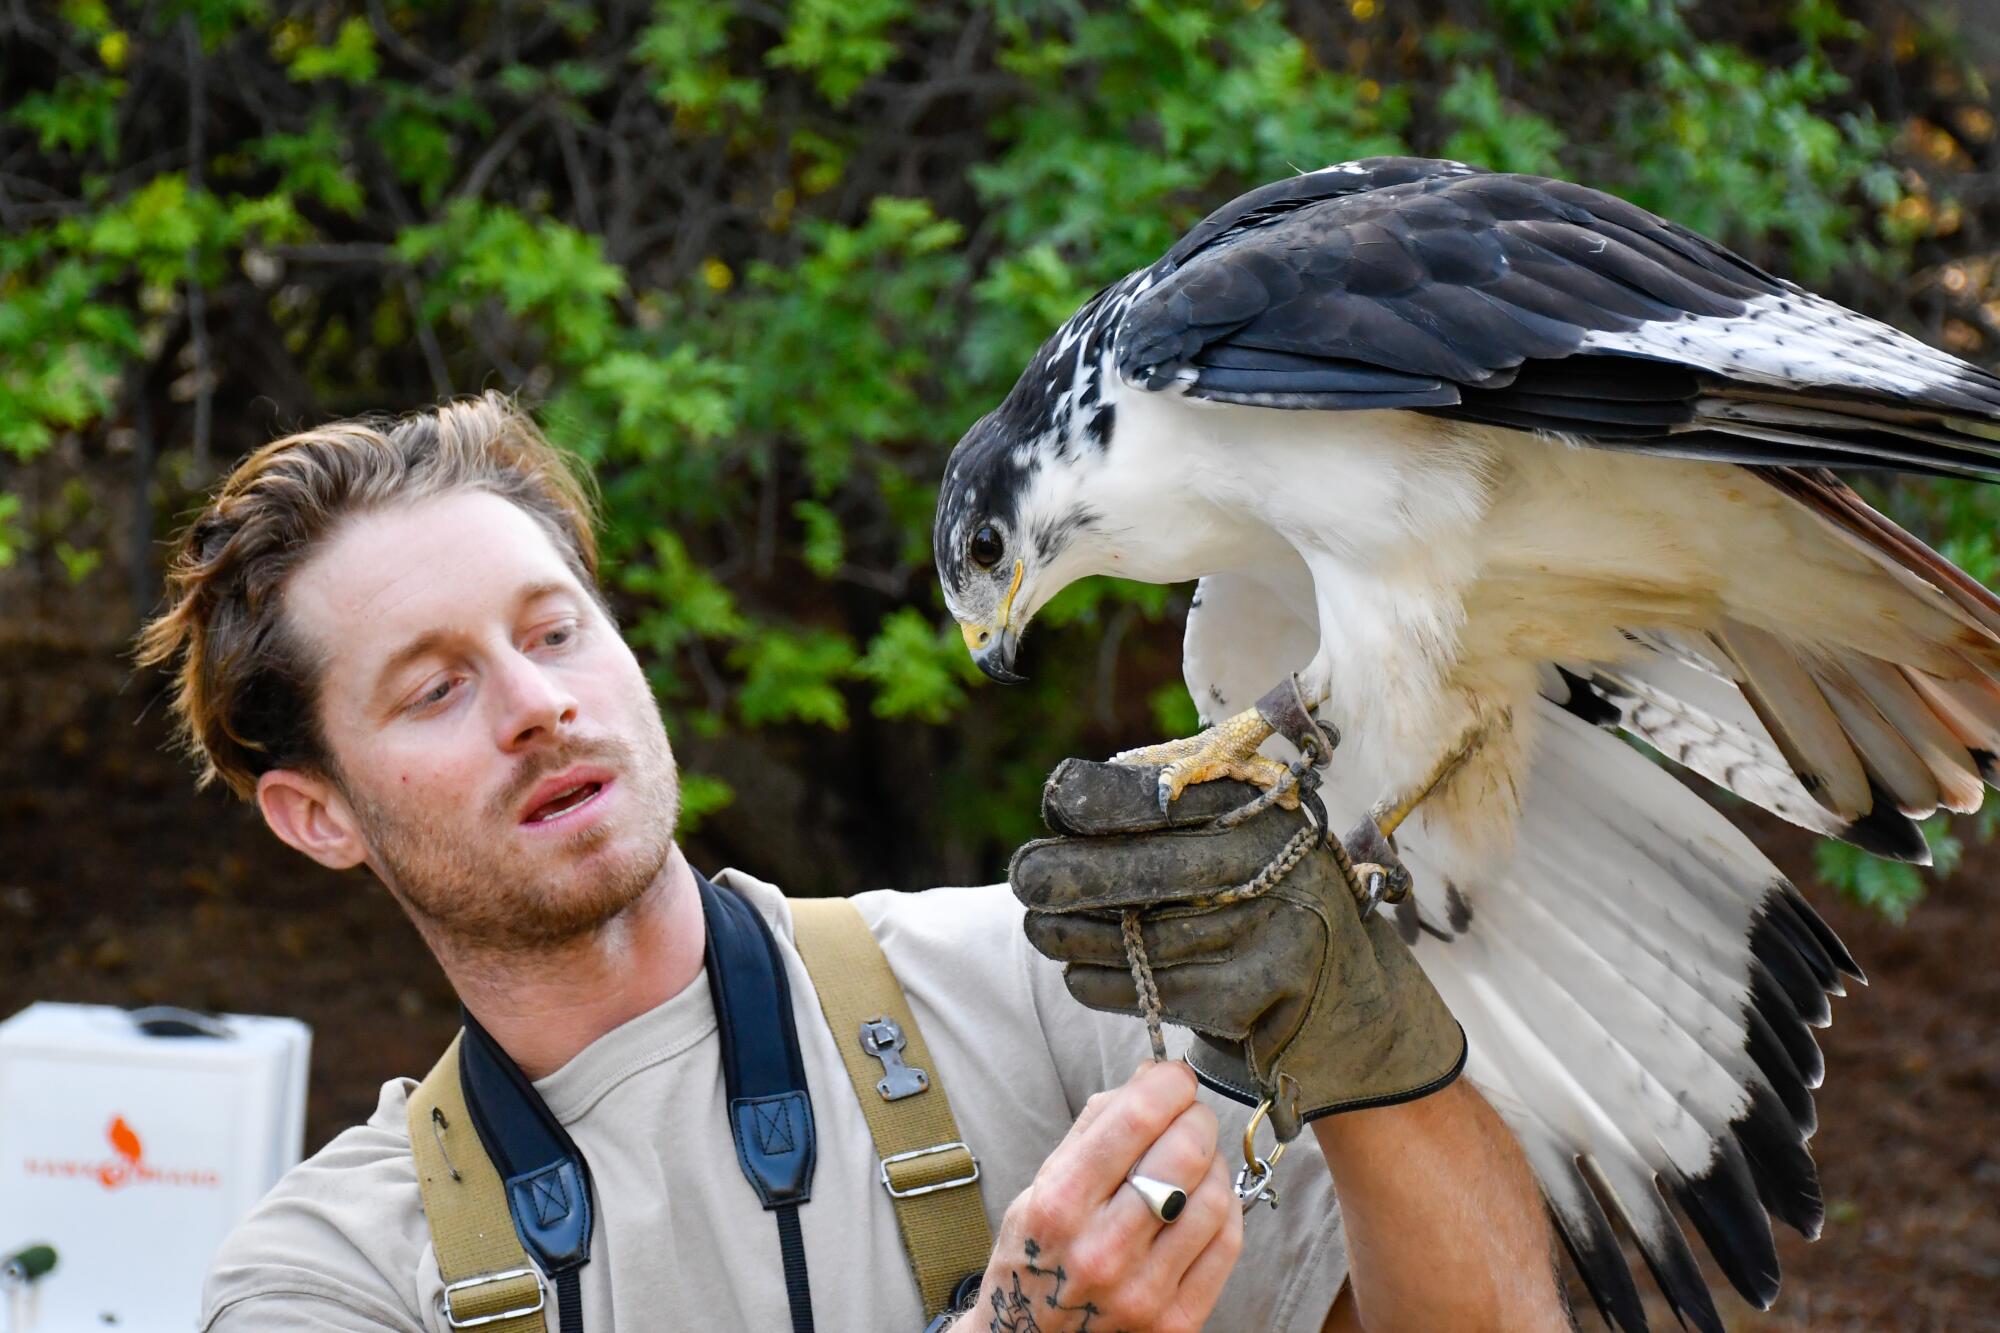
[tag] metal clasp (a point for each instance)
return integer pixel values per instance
(931, 1151)
(1253, 1179)
(883, 1038)
(487, 1279)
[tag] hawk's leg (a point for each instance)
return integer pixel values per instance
(1390, 814)
(1367, 855)
(1229, 748)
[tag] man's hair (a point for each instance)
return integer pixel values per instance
(246, 693)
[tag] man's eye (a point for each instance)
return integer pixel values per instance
(436, 694)
(559, 636)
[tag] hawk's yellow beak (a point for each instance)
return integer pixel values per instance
(992, 646)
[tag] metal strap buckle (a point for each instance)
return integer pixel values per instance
(915, 1153)
(486, 1279)
(883, 1038)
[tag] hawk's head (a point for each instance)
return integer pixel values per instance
(1009, 515)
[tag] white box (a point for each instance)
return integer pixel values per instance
(134, 1154)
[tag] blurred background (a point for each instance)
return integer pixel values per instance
(762, 262)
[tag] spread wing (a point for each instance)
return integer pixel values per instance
(1638, 987)
(1542, 305)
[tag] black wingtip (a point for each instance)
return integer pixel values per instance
(1829, 941)
(1769, 999)
(1600, 1261)
(1890, 834)
(1679, 1278)
(1793, 1084)
(1778, 911)
(1782, 964)
(1724, 1207)
(1988, 765)
(1779, 1161)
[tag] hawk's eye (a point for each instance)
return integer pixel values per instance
(986, 548)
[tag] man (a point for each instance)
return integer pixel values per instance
(390, 636)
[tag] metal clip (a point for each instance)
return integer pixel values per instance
(883, 1038)
(519, 1310)
(936, 1149)
(1253, 1178)
(1253, 1185)
(438, 1126)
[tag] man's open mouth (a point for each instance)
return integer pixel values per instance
(565, 802)
(565, 793)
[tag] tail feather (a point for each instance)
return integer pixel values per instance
(1960, 788)
(1885, 756)
(1797, 716)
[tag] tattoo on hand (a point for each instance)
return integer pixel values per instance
(1014, 1310)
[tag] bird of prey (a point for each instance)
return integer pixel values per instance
(1508, 470)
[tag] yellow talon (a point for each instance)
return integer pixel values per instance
(1226, 750)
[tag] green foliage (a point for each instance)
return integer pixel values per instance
(685, 49)
(840, 43)
(1738, 146)
(793, 676)
(350, 57)
(1493, 133)
(761, 265)
(78, 115)
(702, 794)
(544, 274)
(919, 668)
(10, 536)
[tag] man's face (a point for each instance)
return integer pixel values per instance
(497, 747)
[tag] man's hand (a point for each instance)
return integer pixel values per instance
(1295, 996)
(1079, 1252)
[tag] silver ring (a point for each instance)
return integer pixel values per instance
(1165, 1201)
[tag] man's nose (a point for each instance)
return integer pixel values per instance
(535, 704)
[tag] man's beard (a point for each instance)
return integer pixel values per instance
(483, 898)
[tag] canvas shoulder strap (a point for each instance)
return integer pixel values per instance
(928, 1171)
(487, 1276)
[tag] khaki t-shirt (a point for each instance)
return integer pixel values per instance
(340, 1243)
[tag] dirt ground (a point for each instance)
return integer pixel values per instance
(118, 884)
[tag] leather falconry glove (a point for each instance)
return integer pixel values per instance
(1292, 996)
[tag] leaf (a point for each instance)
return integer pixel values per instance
(919, 669)
(79, 115)
(1494, 133)
(1173, 711)
(793, 676)
(314, 164)
(11, 537)
(78, 563)
(350, 59)
(822, 548)
(701, 795)
(841, 43)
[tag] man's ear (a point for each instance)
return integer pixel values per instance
(309, 813)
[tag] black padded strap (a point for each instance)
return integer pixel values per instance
(547, 1180)
(770, 1110)
(770, 1114)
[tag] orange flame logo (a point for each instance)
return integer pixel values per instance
(127, 1167)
